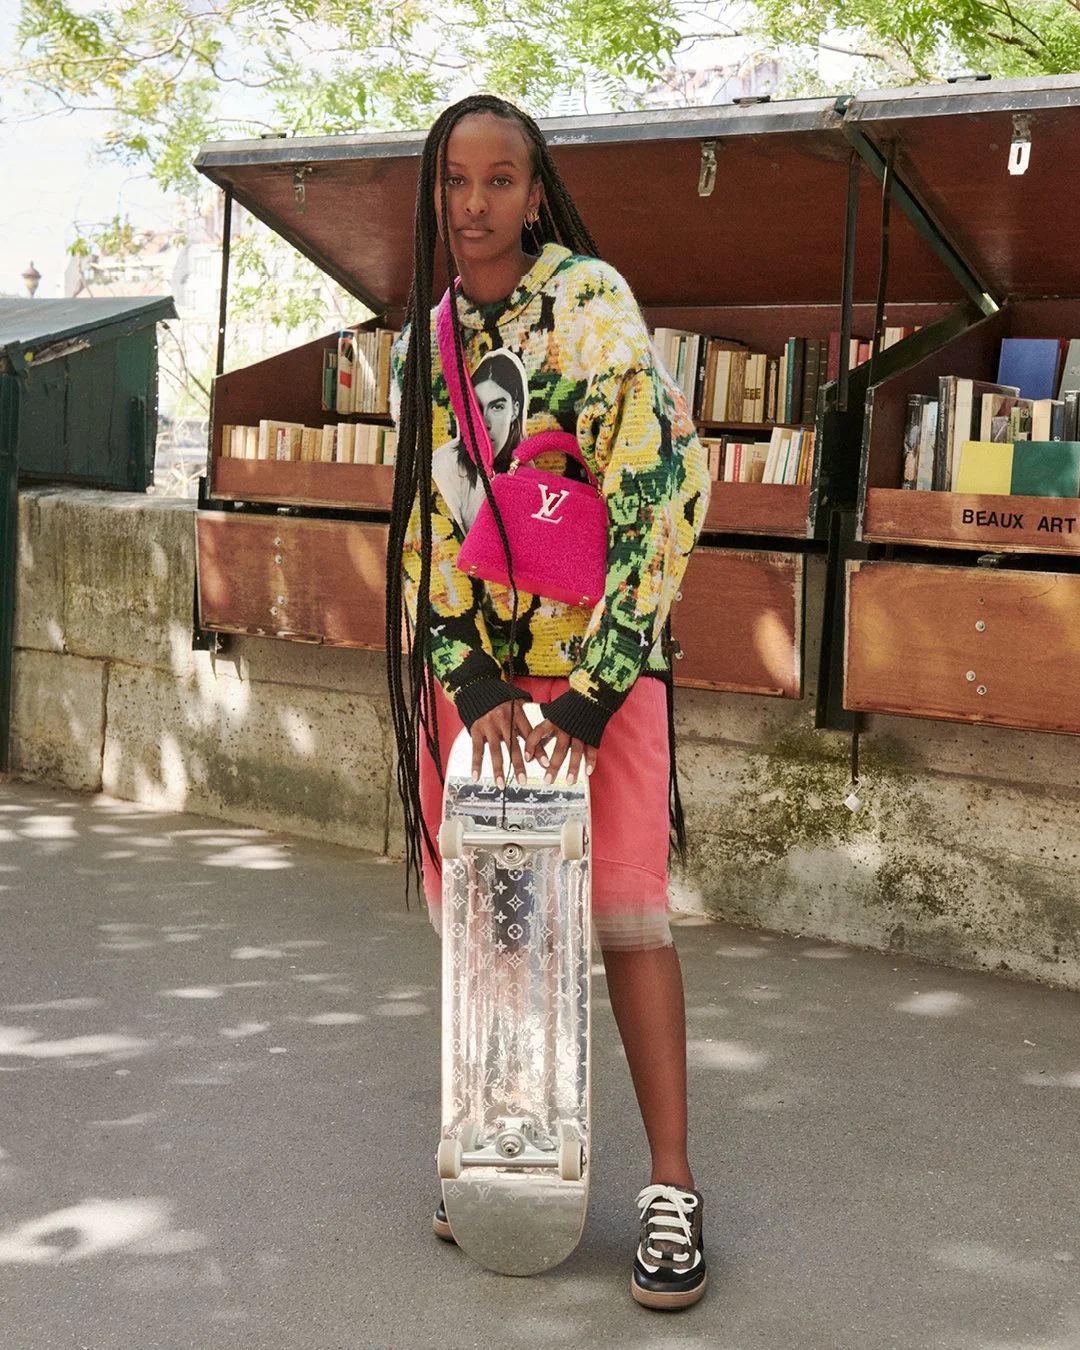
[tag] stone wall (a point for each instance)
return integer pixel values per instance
(965, 849)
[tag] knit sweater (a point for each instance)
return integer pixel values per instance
(575, 333)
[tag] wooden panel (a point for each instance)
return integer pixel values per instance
(364, 486)
(773, 227)
(759, 508)
(739, 622)
(970, 520)
(964, 644)
(307, 580)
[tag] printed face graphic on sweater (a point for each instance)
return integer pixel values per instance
(502, 391)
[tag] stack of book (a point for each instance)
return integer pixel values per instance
(356, 374)
(333, 443)
(786, 457)
(949, 442)
(725, 382)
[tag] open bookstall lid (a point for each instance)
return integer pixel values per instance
(1017, 231)
(769, 231)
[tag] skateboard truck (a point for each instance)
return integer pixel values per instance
(456, 835)
(515, 1144)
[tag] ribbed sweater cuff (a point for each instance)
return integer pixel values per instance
(579, 716)
(480, 696)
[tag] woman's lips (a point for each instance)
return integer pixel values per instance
(473, 231)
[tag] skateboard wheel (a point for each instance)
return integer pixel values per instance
(572, 843)
(449, 1159)
(570, 1153)
(452, 838)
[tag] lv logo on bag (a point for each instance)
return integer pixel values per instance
(550, 501)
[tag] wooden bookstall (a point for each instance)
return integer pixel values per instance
(727, 221)
(964, 607)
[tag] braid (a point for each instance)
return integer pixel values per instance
(411, 679)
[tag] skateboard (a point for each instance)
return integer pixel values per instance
(516, 981)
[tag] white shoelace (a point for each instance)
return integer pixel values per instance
(669, 1222)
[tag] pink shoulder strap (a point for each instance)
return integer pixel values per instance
(444, 332)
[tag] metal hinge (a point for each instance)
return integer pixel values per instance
(707, 174)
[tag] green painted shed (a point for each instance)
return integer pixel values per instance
(78, 404)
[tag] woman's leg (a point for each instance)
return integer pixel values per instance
(646, 992)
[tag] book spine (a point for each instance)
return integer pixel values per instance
(697, 403)
(832, 360)
(943, 435)
(798, 366)
(811, 379)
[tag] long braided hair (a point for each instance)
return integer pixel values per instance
(412, 681)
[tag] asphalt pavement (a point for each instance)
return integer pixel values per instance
(219, 1100)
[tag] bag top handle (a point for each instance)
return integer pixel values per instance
(546, 441)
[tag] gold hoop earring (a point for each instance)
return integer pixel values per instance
(532, 218)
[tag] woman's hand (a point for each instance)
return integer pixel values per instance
(552, 759)
(493, 731)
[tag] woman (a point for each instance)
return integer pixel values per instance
(531, 284)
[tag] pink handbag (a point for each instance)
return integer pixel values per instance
(556, 526)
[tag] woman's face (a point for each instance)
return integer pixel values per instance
(499, 410)
(489, 187)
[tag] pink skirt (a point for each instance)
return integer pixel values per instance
(629, 795)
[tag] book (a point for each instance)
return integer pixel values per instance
(985, 466)
(796, 350)
(966, 416)
(1046, 469)
(913, 426)
(722, 385)
(811, 380)
(1031, 364)
(943, 435)
(1042, 417)
(226, 441)
(1070, 430)
(924, 479)
(329, 389)
(737, 386)
(1070, 369)
(346, 362)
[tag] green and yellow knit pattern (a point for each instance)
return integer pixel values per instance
(580, 335)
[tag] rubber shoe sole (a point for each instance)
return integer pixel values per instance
(439, 1225)
(667, 1302)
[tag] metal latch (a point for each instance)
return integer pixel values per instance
(748, 100)
(299, 174)
(1020, 149)
(707, 175)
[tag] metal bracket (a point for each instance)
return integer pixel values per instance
(707, 174)
(748, 100)
(973, 286)
(1020, 149)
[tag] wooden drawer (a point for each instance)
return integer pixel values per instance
(280, 576)
(740, 622)
(964, 644)
(758, 508)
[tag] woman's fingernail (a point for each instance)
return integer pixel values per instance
(589, 768)
(522, 779)
(571, 778)
(549, 777)
(500, 781)
(528, 757)
(475, 776)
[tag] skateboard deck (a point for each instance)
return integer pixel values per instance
(516, 973)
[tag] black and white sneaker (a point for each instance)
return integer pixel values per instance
(440, 1225)
(669, 1265)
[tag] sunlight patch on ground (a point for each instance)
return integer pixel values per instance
(934, 1003)
(98, 1226)
(23, 1041)
(732, 1055)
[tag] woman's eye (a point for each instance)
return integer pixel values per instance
(502, 181)
(454, 180)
